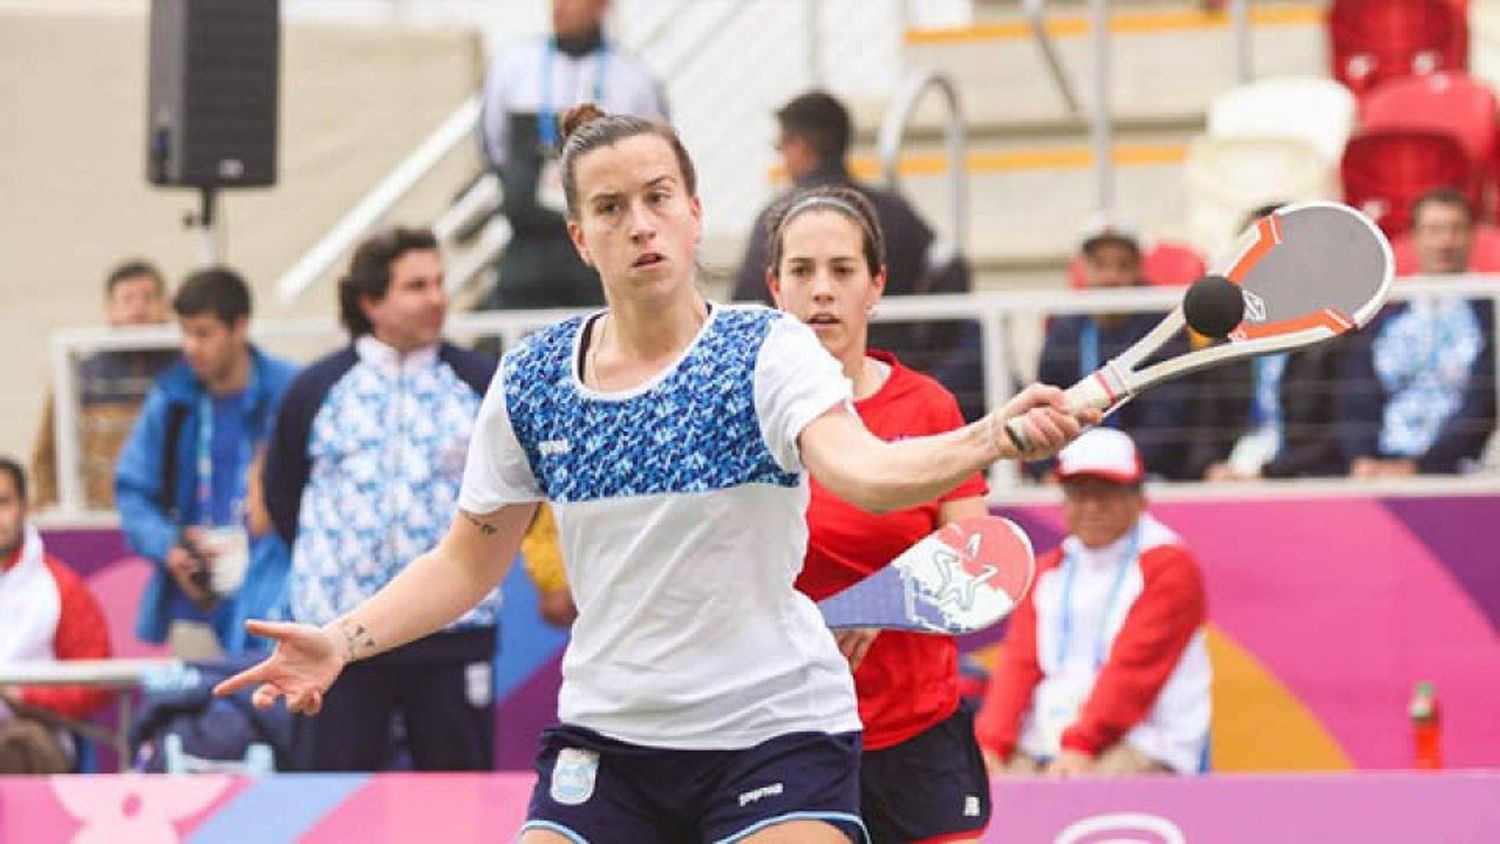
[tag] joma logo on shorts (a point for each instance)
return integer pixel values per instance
(549, 448)
(753, 795)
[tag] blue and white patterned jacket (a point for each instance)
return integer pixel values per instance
(364, 469)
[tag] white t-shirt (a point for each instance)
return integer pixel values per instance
(680, 508)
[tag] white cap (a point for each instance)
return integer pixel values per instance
(1106, 453)
(1102, 226)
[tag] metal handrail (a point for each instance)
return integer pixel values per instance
(994, 311)
(892, 137)
(675, 69)
(379, 201)
(1036, 16)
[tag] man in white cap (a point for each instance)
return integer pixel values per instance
(1076, 344)
(1104, 668)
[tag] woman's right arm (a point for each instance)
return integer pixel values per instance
(437, 588)
(882, 476)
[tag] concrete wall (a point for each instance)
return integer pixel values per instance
(73, 196)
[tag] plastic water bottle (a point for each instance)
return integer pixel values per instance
(1426, 725)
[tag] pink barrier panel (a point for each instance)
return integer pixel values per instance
(1324, 612)
(1371, 808)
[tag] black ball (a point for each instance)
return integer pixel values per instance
(1213, 306)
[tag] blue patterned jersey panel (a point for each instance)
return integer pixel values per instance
(695, 430)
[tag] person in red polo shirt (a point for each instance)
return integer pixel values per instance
(922, 778)
(46, 613)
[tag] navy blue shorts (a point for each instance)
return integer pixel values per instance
(931, 787)
(598, 790)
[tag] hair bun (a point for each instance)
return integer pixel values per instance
(577, 117)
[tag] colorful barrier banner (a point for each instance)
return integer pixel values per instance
(1324, 613)
(1384, 808)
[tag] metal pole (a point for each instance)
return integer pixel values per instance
(65, 429)
(814, 38)
(1104, 168)
(996, 391)
(207, 223)
(1239, 11)
(1036, 17)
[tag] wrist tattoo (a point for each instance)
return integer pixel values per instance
(358, 640)
(484, 527)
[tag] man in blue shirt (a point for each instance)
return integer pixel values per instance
(180, 485)
(1077, 344)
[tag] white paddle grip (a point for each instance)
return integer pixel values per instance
(1090, 393)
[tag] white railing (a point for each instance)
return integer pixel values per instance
(373, 207)
(997, 313)
(892, 138)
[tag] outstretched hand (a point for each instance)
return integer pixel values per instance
(1048, 422)
(303, 666)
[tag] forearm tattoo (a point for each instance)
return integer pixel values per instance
(484, 527)
(358, 641)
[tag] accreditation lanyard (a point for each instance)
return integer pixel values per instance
(1088, 348)
(546, 114)
(1065, 622)
(206, 466)
(1088, 359)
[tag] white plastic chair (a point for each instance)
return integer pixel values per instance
(1228, 177)
(1314, 109)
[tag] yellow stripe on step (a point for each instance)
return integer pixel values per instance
(867, 167)
(1128, 23)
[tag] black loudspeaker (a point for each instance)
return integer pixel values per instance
(211, 119)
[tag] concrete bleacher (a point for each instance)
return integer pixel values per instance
(360, 91)
(1032, 176)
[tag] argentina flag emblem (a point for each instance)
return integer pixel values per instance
(573, 776)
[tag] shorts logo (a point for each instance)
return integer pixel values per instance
(573, 776)
(550, 448)
(755, 794)
(971, 806)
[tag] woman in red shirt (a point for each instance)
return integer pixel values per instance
(922, 775)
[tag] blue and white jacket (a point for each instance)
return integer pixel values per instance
(364, 468)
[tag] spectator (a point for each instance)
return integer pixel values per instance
(1419, 388)
(361, 475)
(46, 614)
(1077, 344)
(523, 95)
(111, 389)
(814, 143)
(826, 269)
(181, 485)
(1104, 667)
(1293, 405)
(541, 553)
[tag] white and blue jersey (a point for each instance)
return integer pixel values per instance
(680, 507)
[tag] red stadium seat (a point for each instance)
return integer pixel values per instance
(1375, 40)
(1450, 102)
(1386, 170)
(1485, 257)
(1165, 265)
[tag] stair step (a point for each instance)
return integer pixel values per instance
(1168, 64)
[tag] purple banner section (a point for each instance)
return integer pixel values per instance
(1385, 808)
